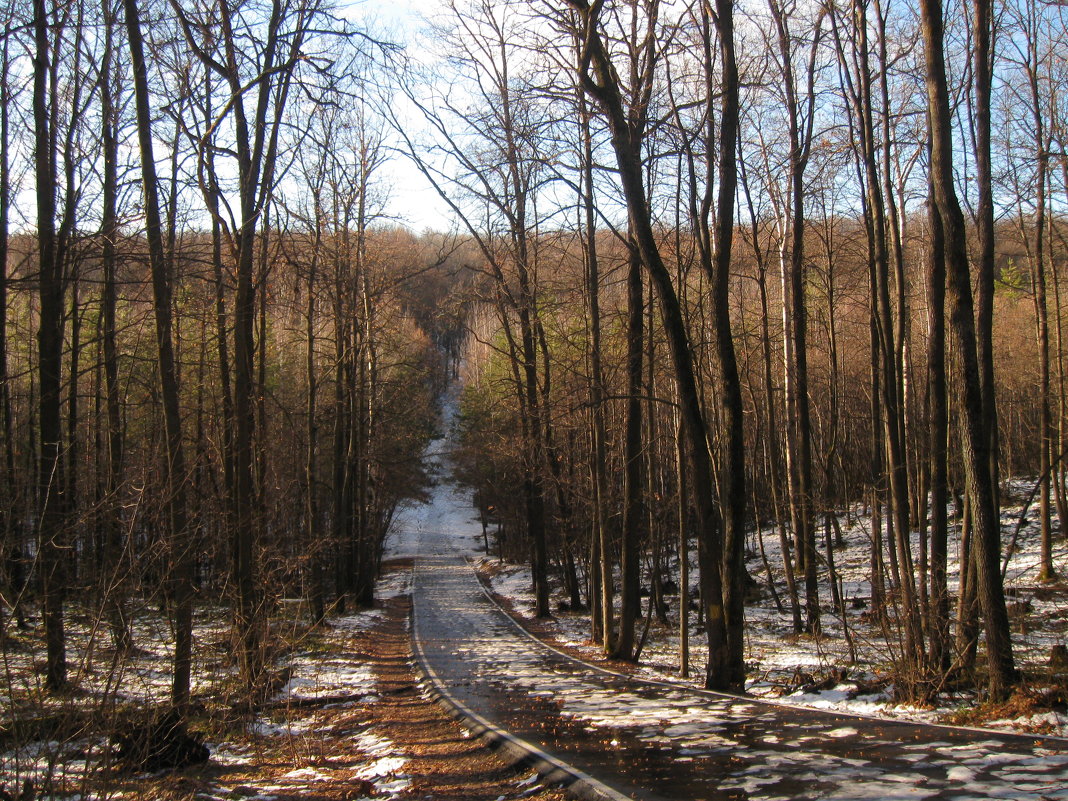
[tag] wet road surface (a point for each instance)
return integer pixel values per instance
(656, 742)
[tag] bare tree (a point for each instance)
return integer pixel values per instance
(602, 82)
(258, 79)
(50, 482)
(496, 202)
(800, 119)
(975, 426)
(9, 513)
(109, 232)
(938, 411)
(181, 576)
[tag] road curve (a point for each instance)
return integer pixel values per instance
(656, 742)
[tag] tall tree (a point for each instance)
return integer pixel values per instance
(982, 77)
(162, 297)
(800, 119)
(601, 81)
(109, 232)
(633, 511)
(712, 174)
(8, 495)
(601, 567)
(50, 482)
(975, 434)
(1027, 43)
(938, 413)
(258, 78)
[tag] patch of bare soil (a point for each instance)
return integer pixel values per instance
(444, 762)
(321, 750)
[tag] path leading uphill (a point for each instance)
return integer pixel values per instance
(626, 739)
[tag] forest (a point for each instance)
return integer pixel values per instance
(710, 269)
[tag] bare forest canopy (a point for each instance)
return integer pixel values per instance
(710, 265)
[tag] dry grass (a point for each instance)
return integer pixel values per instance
(1023, 703)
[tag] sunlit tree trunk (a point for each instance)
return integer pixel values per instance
(976, 439)
(772, 439)
(938, 409)
(602, 83)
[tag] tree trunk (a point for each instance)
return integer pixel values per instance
(114, 588)
(684, 554)
(1037, 252)
(50, 483)
(600, 566)
(603, 86)
(967, 638)
(730, 394)
(939, 434)
(975, 425)
(9, 512)
(316, 591)
(772, 438)
(982, 75)
(633, 514)
(796, 316)
(182, 553)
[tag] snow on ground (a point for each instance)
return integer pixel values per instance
(745, 746)
(780, 662)
(321, 668)
(330, 672)
(448, 511)
(378, 773)
(142, 677)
